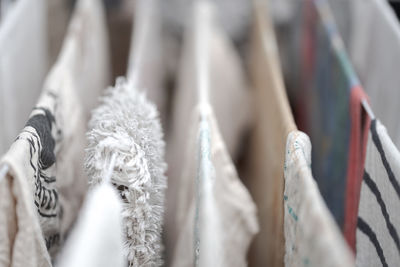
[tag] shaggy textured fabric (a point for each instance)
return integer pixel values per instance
(127, 125)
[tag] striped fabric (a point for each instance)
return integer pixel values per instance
(378, 224)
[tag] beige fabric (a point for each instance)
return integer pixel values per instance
(22, 243)
(23, 65)
(223, 222)
(226, 81)
(311, 236)
(273, 122)
(145, 68)
(47, 156)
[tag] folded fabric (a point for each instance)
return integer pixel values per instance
(216, 215)
(273, 122)
(23, 65)
(378, 224)
(311, 236)
(46, 158)
(126, 126)
(96, 240)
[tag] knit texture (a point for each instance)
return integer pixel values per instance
(127, 125)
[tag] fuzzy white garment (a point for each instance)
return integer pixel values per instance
(96, 240)
(374, 48)
(216, 214)
(49, 151)
(311, 236)
(127, 125)
(23, 65)
(145, 66)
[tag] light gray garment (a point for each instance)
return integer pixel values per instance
(145, 68)
(23, 65)
(227, 81)
(373, 44)
(216, 215)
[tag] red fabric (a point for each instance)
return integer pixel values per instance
(360, 123)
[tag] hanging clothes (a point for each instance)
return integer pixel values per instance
(274, 121)
(227, 80)
(23, 65)
(378, 223)
(127, 126)
(375, 50)
(311, 236)
(215, 215)
(146, 65)
(96, 239)
(328, 108)
(45, 175)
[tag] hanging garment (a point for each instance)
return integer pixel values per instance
(273, 122)
(46, 158)
(311, 236)
(227, 80)
(23, 65)
(375, 50)
(127, 126)
(58, 13)
(146, 68)
(216, 215)
(328, 108)
(360, 123)
(378, 224)
(96, 239)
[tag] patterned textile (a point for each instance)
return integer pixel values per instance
(311, 236)
(46, 159)
(328, 98)
(378, 225)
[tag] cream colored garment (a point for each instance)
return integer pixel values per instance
(23, 65)
(96, 240)
(227, 81)
(274, 121)
(311, 236)
(216, 215)
(146, 69)
(375, 51)
(48, 153)
(92, 73)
